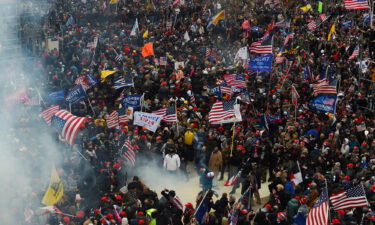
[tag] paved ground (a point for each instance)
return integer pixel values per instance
(187, 189)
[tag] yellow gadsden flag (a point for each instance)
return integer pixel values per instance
(106, 73)
(145, 34)
(113, 2)
(306, 8)
(55, 189)
(331, 32)
(218, 17)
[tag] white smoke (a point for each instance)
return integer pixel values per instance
(27, 150)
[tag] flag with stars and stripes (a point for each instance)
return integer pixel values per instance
(354, 197)
(67, 125)
(122, 116)
(48, 113)
(129, 152)
(318, 215)
(169, 114)
(264, 46)
(235, 80)
(312, 25)
(112, 119)
(221, 110)
(119, 57)
(356, 4)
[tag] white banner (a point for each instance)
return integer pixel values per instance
(147, 120)
(242, 54)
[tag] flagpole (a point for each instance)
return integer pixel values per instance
(196, 210)
(234, 132)
(175, 108)
(93, 112)
(329, 214)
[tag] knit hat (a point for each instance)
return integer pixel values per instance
(336, 221)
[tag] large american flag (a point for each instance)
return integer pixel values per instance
(235, 80)
(82, 81)
(67, 125)
(221, 110)
(48, 113)
(168, 114)
(263, 46)
(354, 197)
(112, 119)
(356, 4)
(355, 53)
(323, 87)
(318, 215)
(129, 153)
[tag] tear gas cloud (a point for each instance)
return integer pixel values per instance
(27, 150)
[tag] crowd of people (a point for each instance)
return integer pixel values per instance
(277, 137)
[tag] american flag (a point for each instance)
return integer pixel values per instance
(163, 61)
(323, 17)
(233, 180)
(323, 87)
(67, 125)
(355, 53)
(129, 153)
(288, 37)
(354, 197)
(122, 116)
(169, 114)
(318, 215)
(176, 201)
(312, 25)
(263, 46)
(82, 81)
(356, 4)
(112, 119)
(235, 80)
(221, 110)
(48, 113)
(226, 90)
(122, 83)
(295, 95)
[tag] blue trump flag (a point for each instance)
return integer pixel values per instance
(263, 63)
(91, 79)
(201, 213)
(56, 96)
(76, 95)
(325, 103)
(134, 101)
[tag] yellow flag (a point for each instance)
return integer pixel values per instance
(331, 31)
(55, 189)
(113, 2)
(145, 34)
(306, 8)
(106, 73)
(218, 17)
